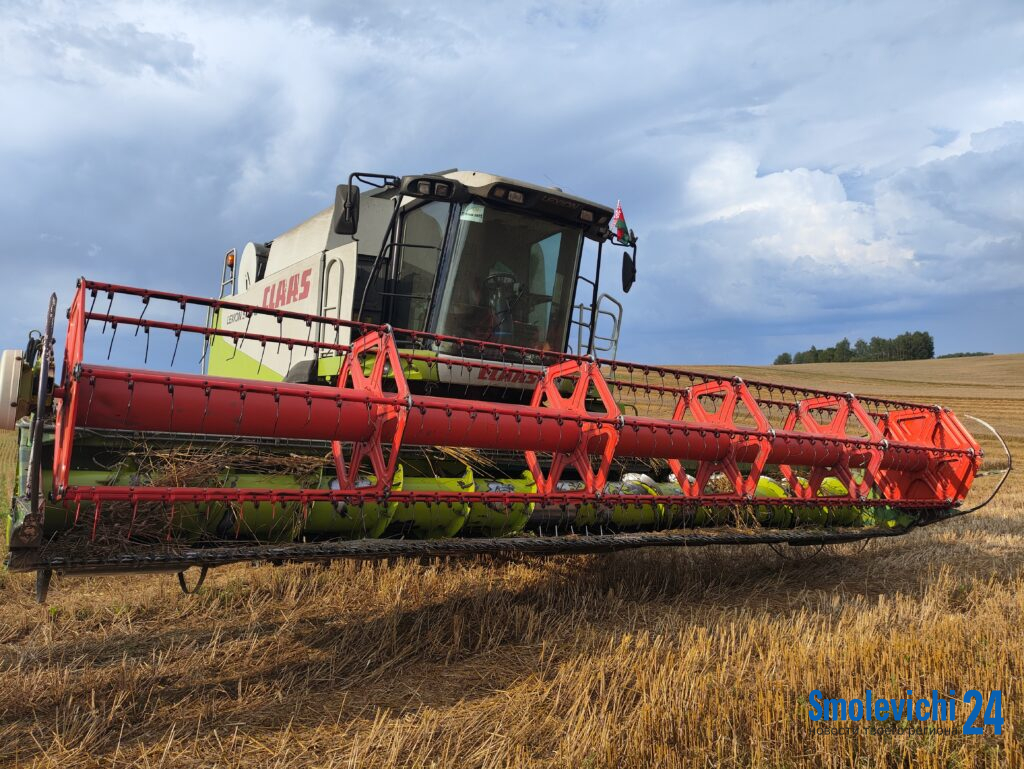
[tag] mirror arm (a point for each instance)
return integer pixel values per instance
(380, 181)
(345, 220)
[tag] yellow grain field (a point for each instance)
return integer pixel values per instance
(643, 659)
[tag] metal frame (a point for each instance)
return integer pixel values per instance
(144, 559)
(919, 457)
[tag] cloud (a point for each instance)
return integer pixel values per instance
(788, 216)
(794, 172)
(790, 246)
(960, 217)
(71, 53)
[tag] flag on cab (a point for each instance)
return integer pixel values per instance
(618, 226)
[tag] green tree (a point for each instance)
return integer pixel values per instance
(922, 345)
(878, 348)
(910, 345)
(843, 351)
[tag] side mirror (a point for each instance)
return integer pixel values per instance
(628, 271)
(346, 209)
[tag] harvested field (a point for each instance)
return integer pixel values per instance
(687, 658)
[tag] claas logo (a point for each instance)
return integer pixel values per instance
(511, 376)
(292, 289)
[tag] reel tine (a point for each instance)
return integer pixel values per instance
(92, 394)
(241, 411)
(206, 346)
(131, 397)
(503, 351)
(170, 392)
(113, 335)
(177, 331)
(206, 404)
(145, 306)
(92, 305)
(239, 340)
(131, 523)
(177, 341)
(110, 306)
(97, 505)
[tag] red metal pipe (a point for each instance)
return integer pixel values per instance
(145, 401)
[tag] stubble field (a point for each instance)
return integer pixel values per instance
(685, 658)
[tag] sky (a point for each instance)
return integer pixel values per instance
(795, 172)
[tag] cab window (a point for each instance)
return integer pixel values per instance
(422, 236)
(511, 278)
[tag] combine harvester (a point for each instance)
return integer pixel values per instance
(416, 371)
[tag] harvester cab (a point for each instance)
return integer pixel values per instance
(459, 255)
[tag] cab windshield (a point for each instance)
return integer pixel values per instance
(510, 278)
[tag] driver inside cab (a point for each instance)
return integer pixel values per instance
(490, 294)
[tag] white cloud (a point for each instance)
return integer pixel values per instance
(766, 250)
(789, 215)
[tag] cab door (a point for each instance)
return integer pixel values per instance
(414, 278)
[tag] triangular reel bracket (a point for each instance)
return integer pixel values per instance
(841, 407)
(574, 409)
(944, 476)
(382, 409)
(732, 393)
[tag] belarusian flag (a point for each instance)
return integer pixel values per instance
(618, 226)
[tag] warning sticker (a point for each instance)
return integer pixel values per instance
(474, 212)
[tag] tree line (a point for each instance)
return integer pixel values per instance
(911, 345)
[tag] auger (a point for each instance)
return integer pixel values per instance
(422, 370)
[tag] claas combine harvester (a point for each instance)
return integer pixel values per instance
(422, 370)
